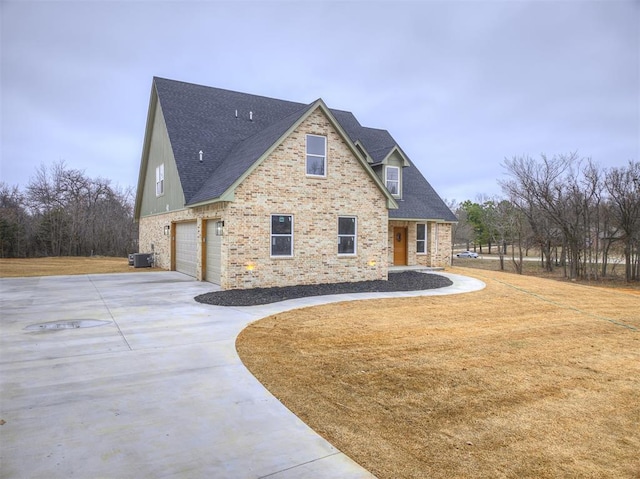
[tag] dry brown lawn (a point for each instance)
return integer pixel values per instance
(17, 267)
(528, 378)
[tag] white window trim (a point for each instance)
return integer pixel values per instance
(386, 180)
(324, 157)
(271, 236)
(354, 235)
(160, 180)
(423, 240)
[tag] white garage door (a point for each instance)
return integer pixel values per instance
(186, 247)
(214, 260)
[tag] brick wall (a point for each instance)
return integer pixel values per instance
(442, 257)
(152, 238)
(280, 186)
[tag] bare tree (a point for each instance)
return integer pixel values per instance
(77, 215)
(46, 202)
(623, 186)
(14, 223)
(554, 188)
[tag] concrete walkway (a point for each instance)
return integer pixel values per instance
(126, 376)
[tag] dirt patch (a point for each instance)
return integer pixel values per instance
(528, 378)
(64, 265)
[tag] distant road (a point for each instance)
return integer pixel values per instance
(612, 260)
(493, 256)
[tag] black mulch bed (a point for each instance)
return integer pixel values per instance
(405, 281)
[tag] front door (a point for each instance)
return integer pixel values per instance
(399, 246)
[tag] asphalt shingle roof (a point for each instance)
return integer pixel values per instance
(217, 122)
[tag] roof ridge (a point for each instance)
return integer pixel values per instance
(227, 90)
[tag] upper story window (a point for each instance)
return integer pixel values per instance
(316, 155)
(282, 235)
(393, 179)
(160, 180)
(421, 238)
(347, 233)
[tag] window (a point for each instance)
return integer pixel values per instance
(281, 235)
(346, 235)
(393, 180)
(160, 180)
(421, 237)
(316, 155)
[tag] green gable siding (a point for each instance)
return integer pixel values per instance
(160, 152)
(395, 160)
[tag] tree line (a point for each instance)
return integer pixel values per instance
(576, 215)
(63, 212)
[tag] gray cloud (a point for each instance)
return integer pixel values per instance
(460, 85)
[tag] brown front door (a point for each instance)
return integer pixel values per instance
(399, 246)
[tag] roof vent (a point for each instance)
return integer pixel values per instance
(200, 154)
(236, 113)
(250, 116)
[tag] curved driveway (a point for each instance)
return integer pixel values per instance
(153, 388)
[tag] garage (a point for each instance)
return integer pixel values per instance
(186, 248)
(214, 246)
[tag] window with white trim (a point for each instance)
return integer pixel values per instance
(316, 155)
(421, 238)
(160, 180)
(282, 235)
(347, 234)
(393, 179)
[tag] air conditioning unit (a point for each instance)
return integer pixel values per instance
(142, 260)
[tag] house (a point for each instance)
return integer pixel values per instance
(247, 191)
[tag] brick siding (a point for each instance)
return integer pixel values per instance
(280, 186)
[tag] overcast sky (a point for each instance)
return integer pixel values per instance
(459, 84)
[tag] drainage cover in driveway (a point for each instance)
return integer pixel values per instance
(71, 324)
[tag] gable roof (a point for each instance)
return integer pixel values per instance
(243, 155)
(236, 130)
(204, 118)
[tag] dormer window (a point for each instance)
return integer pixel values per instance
(316, 155)
(392, 179)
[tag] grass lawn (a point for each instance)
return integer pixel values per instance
(17, 267)
(528, 378)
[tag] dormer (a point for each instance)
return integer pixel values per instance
(389, 170)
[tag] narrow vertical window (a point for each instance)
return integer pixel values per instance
(160, 180)
(421, 239)
(316, 155)
(393, 180)
(281, 235)
(347, 233)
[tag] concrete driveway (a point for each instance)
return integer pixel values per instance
(126, 376)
